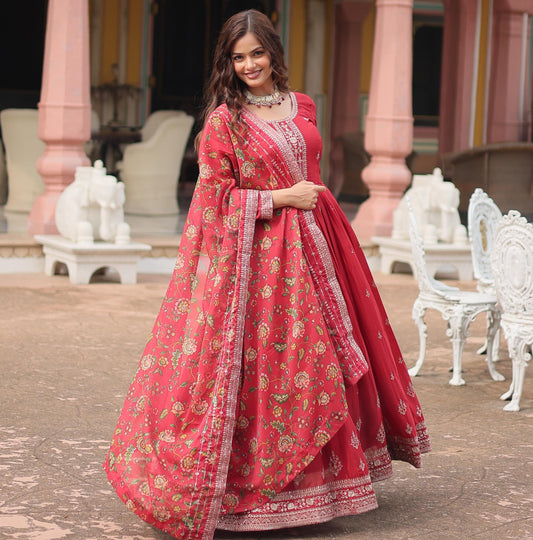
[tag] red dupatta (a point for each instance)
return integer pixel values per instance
(171, 451)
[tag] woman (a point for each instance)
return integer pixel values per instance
(272, 392)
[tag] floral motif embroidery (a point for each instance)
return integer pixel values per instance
(335, 464)
(402, 407)
(380, 437)
(354, 440)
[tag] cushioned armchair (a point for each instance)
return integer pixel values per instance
(22, 147)
(150, 169)
(154, 120)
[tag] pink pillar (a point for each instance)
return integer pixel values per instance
(65, 108)
(345, 113)
(389, 123)
(458, 71)
(508, 119)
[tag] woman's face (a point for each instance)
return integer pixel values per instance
(252, 64)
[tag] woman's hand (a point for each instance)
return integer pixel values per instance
(302, 195)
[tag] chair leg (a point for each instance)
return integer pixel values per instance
(512, 348)
(483, 348)
(496, 344)
(457, 332)
(521, 357)
(506, 396)
(418, 315)
(493, 319)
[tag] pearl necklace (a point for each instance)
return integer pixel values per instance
(264, 101)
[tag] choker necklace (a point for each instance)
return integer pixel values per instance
(264, 101)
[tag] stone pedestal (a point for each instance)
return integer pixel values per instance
(83, 260)
(438, 257)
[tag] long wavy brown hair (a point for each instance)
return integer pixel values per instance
(224, 85)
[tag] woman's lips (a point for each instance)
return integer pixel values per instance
(253, 75)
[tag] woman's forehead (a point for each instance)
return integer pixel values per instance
(246, 43)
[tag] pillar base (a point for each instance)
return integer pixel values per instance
(42, 218)
(387, 178)
(374, 217)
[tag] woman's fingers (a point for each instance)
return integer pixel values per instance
(306, 194)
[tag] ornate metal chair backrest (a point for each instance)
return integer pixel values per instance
(512, 265)
(483, 217)
(426, 283)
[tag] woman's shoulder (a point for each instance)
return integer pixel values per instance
(306, 106)
(217, 122)
(220, 115)
(304, 100)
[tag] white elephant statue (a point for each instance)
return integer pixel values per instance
(92, 207)
(435, 204)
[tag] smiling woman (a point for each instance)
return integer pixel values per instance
(252, 65)
(272, 392)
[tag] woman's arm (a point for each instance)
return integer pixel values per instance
(302, 195)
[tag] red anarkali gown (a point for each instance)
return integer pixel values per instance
(272, 391)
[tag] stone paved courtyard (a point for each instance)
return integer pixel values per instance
(69, 352)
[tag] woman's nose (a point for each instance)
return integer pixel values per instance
(249, 62)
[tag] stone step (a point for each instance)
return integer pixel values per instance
(22, 253)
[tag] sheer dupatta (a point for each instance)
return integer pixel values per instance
(169, 455)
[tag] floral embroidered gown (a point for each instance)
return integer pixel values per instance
(272, 391)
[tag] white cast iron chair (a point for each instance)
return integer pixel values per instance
(512, 268)
(483, 218)
(458, 308)
(23, 147)
(150, 169)
(154, 120)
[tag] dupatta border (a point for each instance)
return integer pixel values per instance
(238, 312)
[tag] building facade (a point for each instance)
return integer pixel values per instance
(401, 86)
